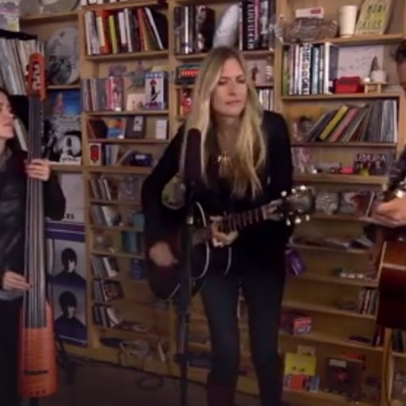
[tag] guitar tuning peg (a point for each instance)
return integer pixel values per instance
(298, 220)
(307, 217)
(302, 187)
(284, 194)
(288, 222)
(293, 191)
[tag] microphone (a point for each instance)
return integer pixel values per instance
(192, 170)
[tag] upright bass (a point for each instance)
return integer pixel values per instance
(37, 364)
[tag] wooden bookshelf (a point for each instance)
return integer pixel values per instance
(312, 292)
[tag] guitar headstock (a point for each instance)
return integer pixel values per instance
(294, 207)
(36, 82)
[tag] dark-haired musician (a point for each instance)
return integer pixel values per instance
(247, 162)
(13, 172)
(394, 212)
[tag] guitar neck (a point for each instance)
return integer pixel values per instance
(231, 223)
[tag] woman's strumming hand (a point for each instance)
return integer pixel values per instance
(13, 280)
(38, 169)
(220, 239)
(161, 254)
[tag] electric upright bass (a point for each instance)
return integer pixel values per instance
(37, 366)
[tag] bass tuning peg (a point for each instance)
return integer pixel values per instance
(298, 220)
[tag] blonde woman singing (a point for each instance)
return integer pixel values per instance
(246, 163)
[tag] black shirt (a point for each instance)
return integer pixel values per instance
(12, 211)
(258, 245)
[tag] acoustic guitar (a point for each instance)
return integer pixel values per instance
(392, 282)
(37, 366)
(164, 281)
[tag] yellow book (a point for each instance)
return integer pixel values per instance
(299, 364)
(328, 129)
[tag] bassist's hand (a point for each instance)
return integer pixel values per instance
(220, 239)
(161, 255)
(13, 280)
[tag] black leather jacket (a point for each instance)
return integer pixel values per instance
(12, 211)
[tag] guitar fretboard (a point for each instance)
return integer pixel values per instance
(230, 223)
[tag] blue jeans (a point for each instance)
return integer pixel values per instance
(263, 293)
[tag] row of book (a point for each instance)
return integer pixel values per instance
(15, 51)
(367, 301)
(146, 29)
(107, 291)
(109, 188)
(373, 122)
(108, 93)
(309, 69)
(104, 266)
(195, 26)
(139, 29)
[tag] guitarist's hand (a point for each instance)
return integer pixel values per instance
(13, 280)
(220, 239)
(392, 213)
(161, 254)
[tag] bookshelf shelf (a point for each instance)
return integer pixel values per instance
(127, 56)
(120, 169)
(261, 53)
(342, 96)
(66, 168)
(326, 339)
(337, 280)
(363, 40)
(333, 178)
(310, 307)
(126, 4)
(130, 141)
(75, 86)
(352, 251)
(336, 217)
(343, 144)
(128, 113)
(49, 18)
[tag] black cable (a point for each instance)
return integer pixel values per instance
(144, 383)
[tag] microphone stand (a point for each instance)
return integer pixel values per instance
(185, 293)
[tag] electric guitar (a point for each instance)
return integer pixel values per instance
(164, 281)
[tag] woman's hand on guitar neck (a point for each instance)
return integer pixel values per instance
(13, 280)
(161, 255)
(220, 239)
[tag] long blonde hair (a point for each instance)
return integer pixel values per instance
(249, 155)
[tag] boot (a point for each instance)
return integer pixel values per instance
(218, 395)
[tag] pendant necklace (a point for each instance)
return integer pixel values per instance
(224, 164)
